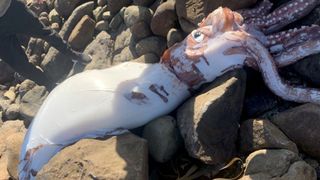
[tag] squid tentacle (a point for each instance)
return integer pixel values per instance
(260, 10)
(271, 76)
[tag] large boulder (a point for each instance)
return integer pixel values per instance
(119, 157)
(209, 121)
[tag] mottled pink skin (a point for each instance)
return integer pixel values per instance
(246, 37)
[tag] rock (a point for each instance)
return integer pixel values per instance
(4, 104)
(119, 157)
(209, 122)
(13, 144)
(163, 138)
(193, 11)
(26, 86)
(36, 8)
(35, 59)
(258, 134)
(258, 176)
(147, 58)
(135, 14)
(145, 3)
(101, 2)
(6, 130)
(126, 54)
(270, 161)
(98, 12)
(156, 4)
(55, 27)
(300, 170)
(102, 26)
(106, 16)
(6, 72)
(164, 18)
(123, 39)
(65, 7)
(10, 94)
(312, 162)
(301, 125)
(115, 5)
(44, 20)
(140, 30)
(101, 51)
(12, 112)
(31, 102)
(116, 21)
(54, 17)
(174, 36)
(82, 34)
(309, 68)
(186, 26)
(43, 14)
(152, 44)
(50, 4)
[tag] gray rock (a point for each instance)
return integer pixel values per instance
(309, 68)
(116, 21)
(209, 121)
(147, 58)
(270, 161)
(4, 104)
(152, 44)
(140, 30)
(258, 134)
(174, 36)
(82, 34)
(6, 72)
(193, 11)
(101, 51)
(13, 111)
(98, 12)
(123, 39)
(101, 2)
(126, 54)
(145, 3)
(44, 20)
(55, 27)
(31, 102)
(119, 157)
(163, 138)
(164, 19)
(135, 14)
(54, 17)
(106, 16)
(300, 170)
(102, 26)
(26, 86)
(301, 125)
(115, 5)
(258, 176)
(65, 7)
(36, 8)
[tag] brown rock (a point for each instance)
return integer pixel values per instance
(65, 7)
(14, 143)
(140, 30)
(143, 2)
(82, 34)
(302, 126)
(262, 134)
(209, 121)
(164, 18)
(115, 5)
(119, 157)
(152, 44)
(174, 36)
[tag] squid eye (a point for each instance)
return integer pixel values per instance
(197, 36)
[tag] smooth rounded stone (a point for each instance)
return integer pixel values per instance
(100, 49)
(12, 112)
(270, 161)
(209, 121)
(13, 144)
(98, 12)
(82, 34)
(106, 16)
(145, 3)
(164, 19)
(152, 44)
(102, 26)
(148, 58)
(6, 72)
(7, 129)
(258, 176)
(140, 30)
(55, 27)
(163, 138)
(10, 94)
(300, 170)
(125, 55)
(186, 26)
(26, 86)
(101, 2)
(309, 68)
(54, 17)
(44, 20)
(115, 5)
(258, 134)
(115, 22)
(65, 7)
(194, 11)
(174, 36)
(31, 102)
(302, 125)
(134, 14)
(119, 157)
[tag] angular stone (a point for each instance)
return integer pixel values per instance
(258, 134)
(302, 126)
(13, 112)
(13, 144)
(119, 157)
(209, 121)
(174, 36)
(102, 26)
(54, 17)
